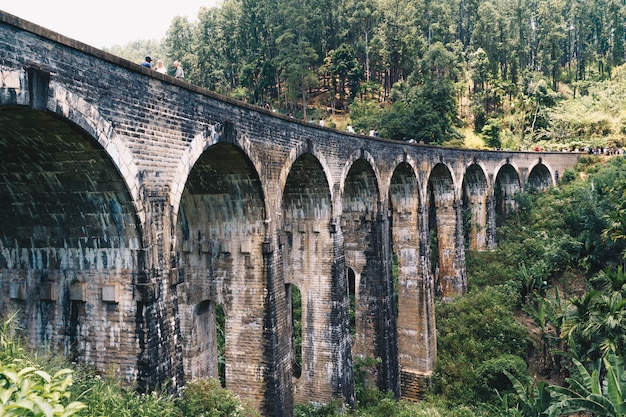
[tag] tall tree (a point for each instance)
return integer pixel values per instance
(551, 36)
(179, 45)
(363, 22)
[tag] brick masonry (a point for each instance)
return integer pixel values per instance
(132, 204)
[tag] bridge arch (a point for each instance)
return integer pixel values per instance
(295, 153)
(71, 249)
(308, 262)
(541, 176)
(474, 200)
(363, 155)
(212, 135)
(445, 230)
(360, 199)
(507, 184)
(219, 235)
(415, 288)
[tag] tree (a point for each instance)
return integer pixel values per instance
(294, 62)
(179, 46)
(364, 20)
(424, 108)
(343, 66)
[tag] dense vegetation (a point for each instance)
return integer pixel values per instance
(440, 72)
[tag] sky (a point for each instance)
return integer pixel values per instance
(103, 24)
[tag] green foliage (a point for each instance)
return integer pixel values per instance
(471, 331)
(601, 393)
(563, 228)
(491, 133)
(206, 397)
(136, 51)
(531, 400)
(363, 369)
(596, 115)
(424, 111)
(10, 344)
(331, 409)
(30, 392)
(108, 396)
(366, 114)
(594, 324)
(492, 379)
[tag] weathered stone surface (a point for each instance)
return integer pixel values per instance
(132, 204)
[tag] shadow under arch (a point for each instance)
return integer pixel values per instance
(219, 256)
(295, 157)
(506, 186)
(85, 115)
(540, 177)
(475, 200)
(415, 288)
(68, 201)
(445, 233)
(211, 136)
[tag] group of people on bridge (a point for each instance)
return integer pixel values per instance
(160, 67)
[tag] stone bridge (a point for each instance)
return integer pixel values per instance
(143, 218)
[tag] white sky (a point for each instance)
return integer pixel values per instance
(106, 23)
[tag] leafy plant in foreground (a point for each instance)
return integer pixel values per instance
(601, 393)
(30, 392)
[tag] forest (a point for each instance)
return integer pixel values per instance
(456, 72)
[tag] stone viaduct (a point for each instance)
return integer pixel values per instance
(140, 215)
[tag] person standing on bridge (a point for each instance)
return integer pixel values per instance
(160, 67)
(147, 62)
(179, 70)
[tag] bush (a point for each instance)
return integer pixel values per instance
(493, 382)
(26, 391)
(470, 331)
(206, 397)
(108, 396)
(331, 409)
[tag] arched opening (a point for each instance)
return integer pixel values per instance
(506, 187)
(294, 313)
(209, 342)
(539, 177)
(220, 334)
(69, 231)
(433, 237)
(445, 234)
(219, 239)
(474, 208)
(308, 256)
(352, 302)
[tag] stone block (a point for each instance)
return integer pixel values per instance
(111, 293)
(48, 291)
(17, 290)
(78, 291)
